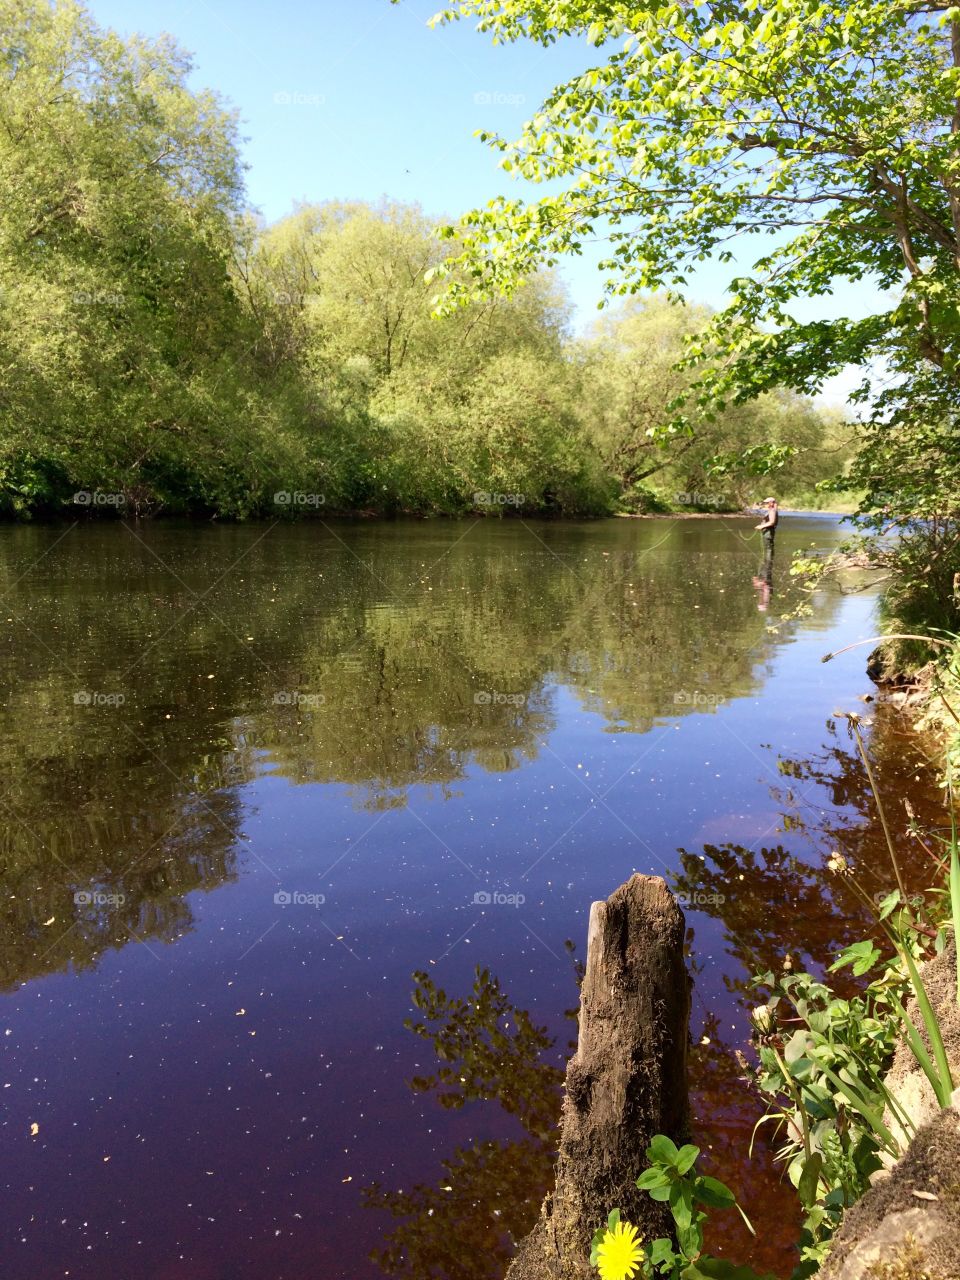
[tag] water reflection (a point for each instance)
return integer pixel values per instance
(78, 881)
(151, 674)
(489, 1196)
(737, 885)
(241, 710)
(777, 904)
(763, 578)
(488, 1050)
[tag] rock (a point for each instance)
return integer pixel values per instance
(895, 1232)
(626, 1082)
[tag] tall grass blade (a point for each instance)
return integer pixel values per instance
(941, 1079)
(891, 847)
(873, 1117)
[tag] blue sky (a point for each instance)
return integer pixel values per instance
(359, 99)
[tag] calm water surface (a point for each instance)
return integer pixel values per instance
(263, 783)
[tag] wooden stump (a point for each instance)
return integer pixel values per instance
(626, 1082)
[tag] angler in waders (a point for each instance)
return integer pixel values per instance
(768, 531)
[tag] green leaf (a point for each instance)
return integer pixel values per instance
(662, 1151)
(653, 1177)
(713, 1193)
(888, 904)
(661, 1252)
(941, 1079)
(810, 1179)
(862, 955)
(955, 890)
(689, 1235)
(795, 1047)
(686, 1158)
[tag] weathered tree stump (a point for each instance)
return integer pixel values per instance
(626, 1082)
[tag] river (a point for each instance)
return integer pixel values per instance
(262, 782)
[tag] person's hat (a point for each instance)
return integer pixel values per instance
(766, 500)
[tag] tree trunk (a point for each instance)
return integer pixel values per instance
(626, 1082)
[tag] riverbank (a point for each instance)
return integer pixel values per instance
(107, 508)
(907, 1224)
(740, 513)
(860, 1081)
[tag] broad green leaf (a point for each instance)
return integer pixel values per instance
(710, 1191)
(686, 1158)
(662, 1151)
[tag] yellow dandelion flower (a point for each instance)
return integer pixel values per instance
(619, 1254)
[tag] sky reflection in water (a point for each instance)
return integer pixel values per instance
(256, 779)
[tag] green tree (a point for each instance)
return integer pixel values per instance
(828, 129)
(631, 374)
(123, 345)
(828, 125)
(401, 410)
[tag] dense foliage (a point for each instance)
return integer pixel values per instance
(631, 371)
(161, 349)
(829, 130)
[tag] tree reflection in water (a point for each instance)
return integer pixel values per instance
(79, 885)
(439, 658)
(769, 901)
(468, 1224)
(401, 637)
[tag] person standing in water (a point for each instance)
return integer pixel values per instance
(763, 582)
(768, 525)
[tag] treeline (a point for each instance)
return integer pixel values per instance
(161, 349)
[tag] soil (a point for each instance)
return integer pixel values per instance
(896, 1232)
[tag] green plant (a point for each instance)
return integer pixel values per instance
(954, 883)
(824, 1083)
(903, 933)
(672, 1178)
(825, 1079)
